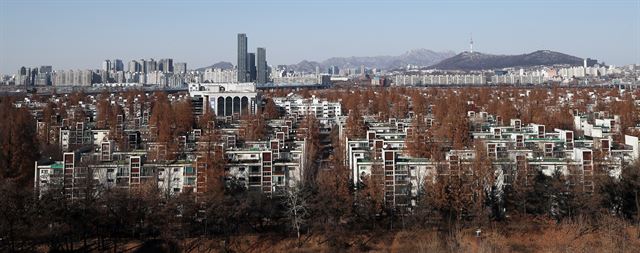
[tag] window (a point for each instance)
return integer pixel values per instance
(188, 170)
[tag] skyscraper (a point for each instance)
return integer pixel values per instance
(45, 69)
(117, 65)
(165, 65)
(22, 71)
(134, 66)
(143, 65)
(152, 65)
(252, 67)
(106, 65)
(261, 75)
(242, 58)
(180, 67)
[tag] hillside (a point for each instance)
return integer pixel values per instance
(219, 65)
(418, 57)
(478, 61)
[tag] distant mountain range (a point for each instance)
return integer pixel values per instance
(447, 60)
(219, 65)
(418, 57)
(478, 61)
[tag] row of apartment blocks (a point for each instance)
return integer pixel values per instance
(429, 79)
(519, 79)
(278, 161)
(325, 111)
(94, 155)
(513, 149)
(267, 166)
(511, 76)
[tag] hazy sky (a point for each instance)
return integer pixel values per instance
(82, 33)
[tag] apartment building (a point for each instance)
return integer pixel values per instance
(432, 79)
(93, 160)
(325, 111)
(514, 149)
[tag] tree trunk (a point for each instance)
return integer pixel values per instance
(12, 240)
(637, 211)
(298, 233)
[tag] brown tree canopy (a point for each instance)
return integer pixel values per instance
(452, 123)
(419, 103)
(628, 111)
(103, 112)
(399, 105)
(450, 195)
(310, 128)
(371, 198)
(162, 118)
(207, 121)
(271, 111)
(355, 125)
(76, 97)
(419, 143)
(48, 112)
(183, 113)
(482, 179)
(18, 143)
(254, 127)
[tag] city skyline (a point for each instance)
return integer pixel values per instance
(79, 35)
(319, 125)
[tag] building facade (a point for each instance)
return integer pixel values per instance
(226, 99)
(242, 58)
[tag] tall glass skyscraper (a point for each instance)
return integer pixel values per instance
(252, 67)
(242, 58)
(261, 76)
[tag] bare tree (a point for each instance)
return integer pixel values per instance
(296, 208)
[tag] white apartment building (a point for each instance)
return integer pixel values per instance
(322, 109)
(404, 80)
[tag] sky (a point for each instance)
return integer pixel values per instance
(80, 34)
